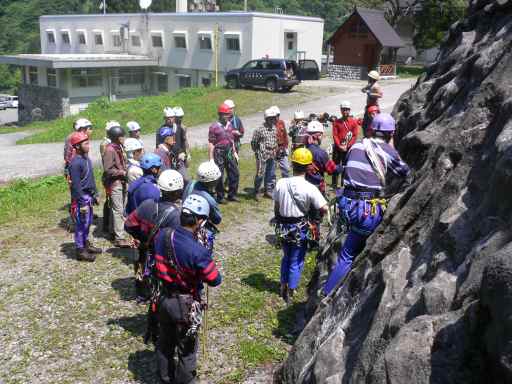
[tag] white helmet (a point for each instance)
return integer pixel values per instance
(229, 103)
(276, 109)
(345, 104)
(170, 180)
(133, 126)
(374, 75)
(82, 123)
(270, 112)
(208, 171)
(178, 112)
(132, 144)
(299, 115)
(111, 124)
(169, 112)
(315, 127)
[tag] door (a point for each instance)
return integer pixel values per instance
(370, 53)
(290, 45)
(251, 72)
(308, 70)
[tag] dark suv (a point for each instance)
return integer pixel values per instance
(273, 74)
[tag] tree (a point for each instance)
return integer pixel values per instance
(433, 18)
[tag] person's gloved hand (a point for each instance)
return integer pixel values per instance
(84, 209)
(182, 156)
(96, 200)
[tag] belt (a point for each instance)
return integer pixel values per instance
(363, 194)
(290, 220)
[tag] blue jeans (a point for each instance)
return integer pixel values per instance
(265, 171)
(362, 223)
(292, 263)
(83, 222)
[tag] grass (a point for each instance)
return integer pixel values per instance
(199, 104)
(405, 71)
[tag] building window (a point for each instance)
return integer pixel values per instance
(157, 41)
(233, 43)
(206, 81)
(205, 42)
(184, 81)
(65, 37)
(32, 75)
(136, 41)
(81, 38)
(359, 28)
(98, 38)
(131, 76)
(86, 78)
(180, 41)
(116, 39)
(50, 35)
(51, 77)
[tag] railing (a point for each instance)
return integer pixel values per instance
(387, 70)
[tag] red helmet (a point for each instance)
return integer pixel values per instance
(373, 108)
(77, 138)
(223, 108)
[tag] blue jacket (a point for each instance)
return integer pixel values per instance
(200, 189)
(82, 177)
(142, 189)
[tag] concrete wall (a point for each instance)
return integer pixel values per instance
(40, 103)
(347, 72)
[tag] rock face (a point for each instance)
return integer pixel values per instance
(431, 298)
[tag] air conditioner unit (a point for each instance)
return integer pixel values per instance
(290, 35)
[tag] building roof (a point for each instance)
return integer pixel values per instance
(79, 60)
(378, 26)
(232, 14)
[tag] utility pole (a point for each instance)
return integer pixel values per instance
(216, 53)
(104, 7)
(245, 5)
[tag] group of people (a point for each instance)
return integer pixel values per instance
(172, 218)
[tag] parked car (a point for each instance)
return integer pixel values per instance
(12, 102)
(308, 70)
(272, 74)
(4, 103)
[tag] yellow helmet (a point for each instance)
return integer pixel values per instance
(302, 156)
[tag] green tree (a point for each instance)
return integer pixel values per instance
(433, 19)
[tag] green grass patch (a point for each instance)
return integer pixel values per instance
(199, 104)
(255, 352)
(410, 70)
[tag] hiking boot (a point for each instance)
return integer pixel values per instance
(122, 243)
(234, 199)
(83, 255)
(221, 201)
(93, 249)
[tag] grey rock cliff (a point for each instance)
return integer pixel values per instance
(430, 300)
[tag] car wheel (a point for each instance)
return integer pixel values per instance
(271, 85)
(232, 83)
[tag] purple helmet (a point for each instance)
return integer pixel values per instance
(166, 131)
(383, 122)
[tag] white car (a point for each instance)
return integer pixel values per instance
(12, 102)
(4, 103)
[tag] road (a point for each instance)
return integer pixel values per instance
(33, 160)
(9, 115)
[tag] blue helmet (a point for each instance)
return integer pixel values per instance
(197, 205)
(150, 160)
(166, 131)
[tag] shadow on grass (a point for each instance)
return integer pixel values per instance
(262, 283)
(291, 322)
(142, 364)
(69, 250)
(127, 255)
(125, 287)
(136, 325)
(271, 239)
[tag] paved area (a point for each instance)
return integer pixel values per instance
(18, 160)
(9, 115)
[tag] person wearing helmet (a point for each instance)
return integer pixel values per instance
(80, 125)
(321, 162)
(298, 130)
(147, 219)
(208, 174)
(83, 195)
(114, 181)
(134, 131)
(373, 93)
(164, 150)
(264, 145)
(106, 140)
(221, 150)
(169, 122)
(236, 123)
(182, 265)
(134, 151)
(294, 199)
(181, 149)
(145, 187)
(344, 134)
(282, 145)
(370, 165)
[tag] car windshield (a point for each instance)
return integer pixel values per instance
(251, 64)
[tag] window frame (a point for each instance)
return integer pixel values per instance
(232, 36)
(65, 32)
(30, 74)
(113, 34)
(157, 34)
(134, 33)
(88, 76)
(180, 77)
(201, 37)
(180, 34)
(80, 33)
(127, 76)
(52, 75)
(98, 32)
(54, 37)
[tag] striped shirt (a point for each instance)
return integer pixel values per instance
(359, 173)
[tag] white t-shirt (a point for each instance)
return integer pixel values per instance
(134, 171)
(305, 193)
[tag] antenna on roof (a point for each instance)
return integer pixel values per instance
(145, 4)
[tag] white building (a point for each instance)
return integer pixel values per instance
(127, 55)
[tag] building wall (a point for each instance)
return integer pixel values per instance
(355, 49)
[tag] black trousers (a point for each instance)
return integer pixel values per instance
(172, 341)
(339, 157)
(226, 162)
